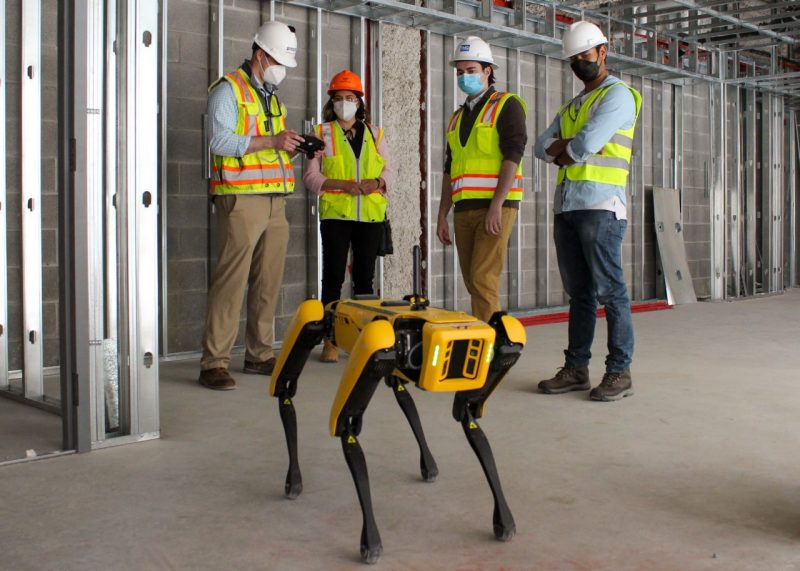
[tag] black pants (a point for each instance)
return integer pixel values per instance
(337, 238)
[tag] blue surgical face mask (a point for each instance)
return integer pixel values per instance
(470, 83)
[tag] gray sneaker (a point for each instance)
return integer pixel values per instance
(567, 379)
(614, 386)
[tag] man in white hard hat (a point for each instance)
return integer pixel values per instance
(251, 176)
(486, 140)
(591, 140)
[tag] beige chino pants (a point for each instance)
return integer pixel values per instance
(481, 257)
(253, 237)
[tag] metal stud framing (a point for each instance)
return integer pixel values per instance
(94, 199)
(515, 263)
(33, 380)
(141, 84)
(716, 190)
(4, 384)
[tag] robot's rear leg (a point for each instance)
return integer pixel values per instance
(371, 547)
(502, 520)
(427, 465)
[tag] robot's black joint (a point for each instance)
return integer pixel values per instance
(353, 425)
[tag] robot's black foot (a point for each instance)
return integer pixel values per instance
(294, 485)
(370, 555)
(504, 533)
(504, 526)
(430, 471)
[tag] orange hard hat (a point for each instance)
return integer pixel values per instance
(346, 80)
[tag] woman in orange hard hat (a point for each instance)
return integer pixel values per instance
(351, 178)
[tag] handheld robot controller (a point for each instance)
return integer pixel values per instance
(400, 342)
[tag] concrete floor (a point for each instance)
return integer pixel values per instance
(698, 470)
(24, 428)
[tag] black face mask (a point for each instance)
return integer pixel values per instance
(585, 70)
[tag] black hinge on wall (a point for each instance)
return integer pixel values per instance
(73, 160)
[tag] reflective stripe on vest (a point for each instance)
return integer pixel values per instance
(262, 172)
(475, 167)
(612, 163)
(339, 163)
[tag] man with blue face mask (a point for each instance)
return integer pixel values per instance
(591, 140)
(252, 174)
(482, 180)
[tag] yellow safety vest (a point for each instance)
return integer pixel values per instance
(475, 167)
(339, 163)
(263, 172)
(612, 163)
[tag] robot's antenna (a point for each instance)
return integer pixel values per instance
(417, 300)
(417, 285)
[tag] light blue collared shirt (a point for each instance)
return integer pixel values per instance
(616, 111)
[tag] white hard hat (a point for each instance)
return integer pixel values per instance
(581, 36)
(473, 49)
(279, 41)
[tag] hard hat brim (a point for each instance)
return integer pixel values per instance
(575, 51)
(454, 61)
(356, 91)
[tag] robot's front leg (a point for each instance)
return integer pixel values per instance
(371, 359)
(427, 465)
(304, 333)
(502, 520)
(468, 406)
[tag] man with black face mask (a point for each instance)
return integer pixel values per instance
(591, 140)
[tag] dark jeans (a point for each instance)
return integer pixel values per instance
(337, 238)
(589, 249)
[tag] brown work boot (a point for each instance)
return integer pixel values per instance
(218, 379)
(259, 367)
(614, 386)
(330, 354)
(567, 379)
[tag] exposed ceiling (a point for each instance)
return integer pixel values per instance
(752, 43)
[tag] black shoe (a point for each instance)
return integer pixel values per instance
(614, 386)
(259, 367)
(567, 379)
(218, 379)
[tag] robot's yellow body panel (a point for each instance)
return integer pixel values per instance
(310, 311)
(376, 336)
(452, 353)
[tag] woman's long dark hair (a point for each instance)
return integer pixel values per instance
(362, 113)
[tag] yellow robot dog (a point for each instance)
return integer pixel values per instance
(400, 341)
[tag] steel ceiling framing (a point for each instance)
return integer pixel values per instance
(677, 41)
